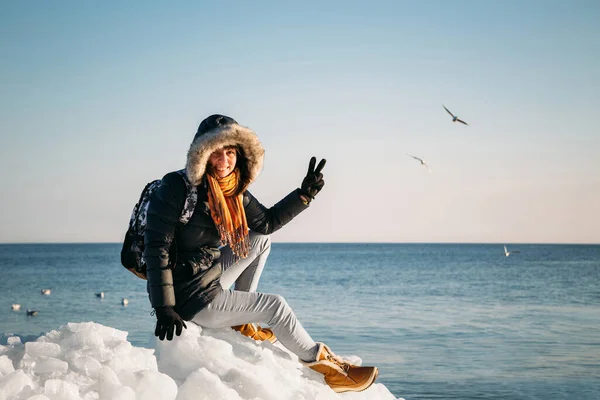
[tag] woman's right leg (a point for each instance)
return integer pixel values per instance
(245, 272)
(232, 307)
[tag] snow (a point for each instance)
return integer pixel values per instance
(90, 361)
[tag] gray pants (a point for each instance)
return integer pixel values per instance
(244, 305)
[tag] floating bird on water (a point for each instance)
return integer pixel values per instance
(31, 313)
(16, 307)
(454, 117)
(508, 253)
(46, 291)
(422, 162)
(100, 295)
(124, 301)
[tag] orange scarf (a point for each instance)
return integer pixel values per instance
(227, 211)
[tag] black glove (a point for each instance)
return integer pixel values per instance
(313, 181)
(167, 321)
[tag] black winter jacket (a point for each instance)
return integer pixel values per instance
(186, 274)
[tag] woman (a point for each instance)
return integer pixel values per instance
(225, 241)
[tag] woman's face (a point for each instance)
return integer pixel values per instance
(222, 161)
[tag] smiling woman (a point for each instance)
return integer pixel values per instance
(222, 162)
(225, 241)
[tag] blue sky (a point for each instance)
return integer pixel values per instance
(98, 98)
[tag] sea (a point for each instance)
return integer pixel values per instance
(441, 321)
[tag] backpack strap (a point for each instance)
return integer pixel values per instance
(191, 199)
(138, 216)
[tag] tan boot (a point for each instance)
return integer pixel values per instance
(255, 332)
(340, 375)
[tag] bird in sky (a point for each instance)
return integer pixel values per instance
(454, 117)
(421, 161)
(508, 253)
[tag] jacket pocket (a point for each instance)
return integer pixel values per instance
(210, 275)
(192, 264)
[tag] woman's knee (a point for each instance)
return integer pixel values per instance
(278, 300)
(260, 241)
(279, 305)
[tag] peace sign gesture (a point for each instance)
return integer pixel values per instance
(313, 181)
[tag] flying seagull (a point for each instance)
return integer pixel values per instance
(508, 253)
(454, 117)
(422, 162)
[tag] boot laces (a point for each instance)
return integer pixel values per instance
(338, 361)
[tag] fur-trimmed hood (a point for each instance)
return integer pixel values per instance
(218, 131)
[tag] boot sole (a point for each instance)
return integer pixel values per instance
(360, 388)
(272, 339)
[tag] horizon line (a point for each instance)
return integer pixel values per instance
(340, 242)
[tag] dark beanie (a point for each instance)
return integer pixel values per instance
(213, 122)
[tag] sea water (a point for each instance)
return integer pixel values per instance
(441, 321)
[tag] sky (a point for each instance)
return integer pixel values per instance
(87, 360)
(99, 98)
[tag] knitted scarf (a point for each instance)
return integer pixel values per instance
(227, 211)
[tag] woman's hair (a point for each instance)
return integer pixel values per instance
(242, 165)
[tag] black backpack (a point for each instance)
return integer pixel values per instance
(132, 253)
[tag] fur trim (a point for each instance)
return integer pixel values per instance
(226, 135)
(321, 358)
